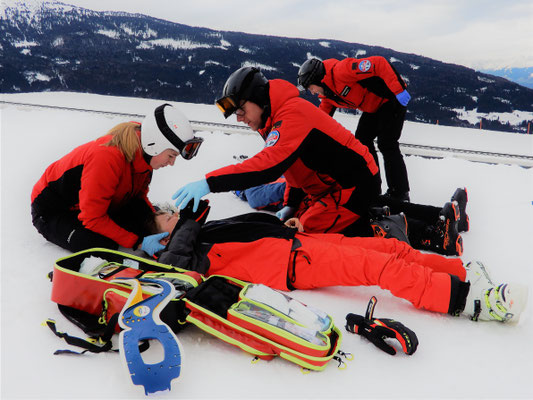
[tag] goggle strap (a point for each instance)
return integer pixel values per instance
(165, 129)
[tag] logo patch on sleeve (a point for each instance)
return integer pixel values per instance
(365, 65)
(272, 139)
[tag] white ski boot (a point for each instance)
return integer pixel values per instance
(489, 302)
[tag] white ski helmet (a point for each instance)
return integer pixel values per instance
(167, 128)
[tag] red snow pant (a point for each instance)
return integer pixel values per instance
(337, 260)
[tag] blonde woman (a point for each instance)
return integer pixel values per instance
(86, 198)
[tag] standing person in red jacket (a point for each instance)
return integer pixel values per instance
(373, 86)
(316, 154)
(86, 198)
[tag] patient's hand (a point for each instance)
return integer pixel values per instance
(294, 223)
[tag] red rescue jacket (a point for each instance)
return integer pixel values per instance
(313, 151)
(94, 179)
(365, 84)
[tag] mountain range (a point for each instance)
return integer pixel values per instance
(52, 46)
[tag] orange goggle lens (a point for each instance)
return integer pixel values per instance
(191, 148)
(227, 105)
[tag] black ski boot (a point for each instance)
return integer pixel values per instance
(461, 197)
(443, 237)
(391, 226)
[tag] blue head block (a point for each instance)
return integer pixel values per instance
(141, 321)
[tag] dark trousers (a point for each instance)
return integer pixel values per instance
(62, 227)
(386, 125)
(420, 218)
(66, 230)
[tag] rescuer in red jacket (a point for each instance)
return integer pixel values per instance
(373, 86)
(86, 198)
(317, 156)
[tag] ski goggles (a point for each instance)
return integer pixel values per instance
(190, 147)
(228, 105)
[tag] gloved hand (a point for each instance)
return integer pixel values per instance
(285, 213)
(377, 330)
(194, 190)
(199, 216)
(403, 98)
(151, 243)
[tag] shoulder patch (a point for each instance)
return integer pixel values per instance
(365, 65)
(272, 139)
(277, 124)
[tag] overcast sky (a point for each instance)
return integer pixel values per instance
(475, 33)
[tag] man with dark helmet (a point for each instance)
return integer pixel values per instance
(373, 86)
(318, 157)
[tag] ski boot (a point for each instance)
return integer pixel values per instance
(391, 226)
(461, 197)
(489, 302)
(443, 237)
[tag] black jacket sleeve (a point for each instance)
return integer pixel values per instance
(184, 251)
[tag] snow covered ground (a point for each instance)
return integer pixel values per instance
(456, 358)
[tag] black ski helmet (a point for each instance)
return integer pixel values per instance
(311, 73)
(247, 83)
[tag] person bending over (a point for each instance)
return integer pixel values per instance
(86, 198)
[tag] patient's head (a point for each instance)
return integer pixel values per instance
(163, 221)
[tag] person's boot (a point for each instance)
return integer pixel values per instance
(489, 302)
(443, 237)
(461, 197)
(391, 226)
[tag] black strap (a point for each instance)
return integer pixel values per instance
(79, 342)
(105, 338)
(159, 114)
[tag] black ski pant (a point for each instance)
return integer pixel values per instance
(66, 230)
(63, 228)
(420, 218)
(386, 125)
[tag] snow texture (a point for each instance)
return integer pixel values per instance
(456, 358)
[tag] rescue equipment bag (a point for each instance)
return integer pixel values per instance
(259, 320)
(264, 322)
(89, 299)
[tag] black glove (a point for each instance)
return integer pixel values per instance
(377, 330)
(199, 216)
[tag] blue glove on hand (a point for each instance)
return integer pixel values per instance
(195, 190)
(285, 213)
(403, 97)
(151, 243)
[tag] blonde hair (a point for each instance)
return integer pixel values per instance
(126, 139)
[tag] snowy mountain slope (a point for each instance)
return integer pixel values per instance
(456, 358)
(51, 46)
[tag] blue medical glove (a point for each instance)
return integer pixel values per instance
(285, 213)
(403, 97)
(151, 243)
(194, 190)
